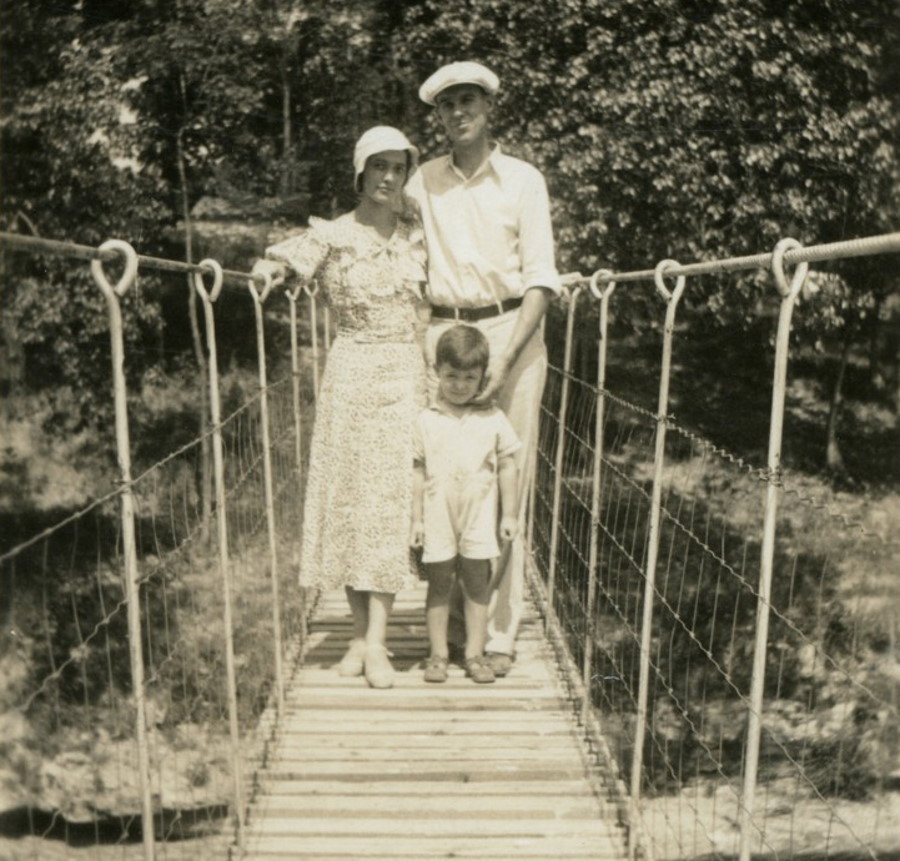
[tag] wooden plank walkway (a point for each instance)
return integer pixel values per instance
(454, 770)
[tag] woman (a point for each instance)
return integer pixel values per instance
(370, 266)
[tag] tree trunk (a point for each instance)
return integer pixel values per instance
(286, 180)
(199, 353)
(12, 349)
(12, 353)
(834, 460)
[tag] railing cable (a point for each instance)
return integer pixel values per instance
(58, 248)
(883, 244)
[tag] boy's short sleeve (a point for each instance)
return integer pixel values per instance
(507, 441)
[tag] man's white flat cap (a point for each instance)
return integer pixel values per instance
(465, 72)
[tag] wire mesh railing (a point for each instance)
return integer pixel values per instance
(147, 636)
(732, 623)
(725, 617)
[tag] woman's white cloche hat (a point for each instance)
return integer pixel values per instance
(381, 139)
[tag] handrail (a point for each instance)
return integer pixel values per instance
(59, 248)
(882, 244)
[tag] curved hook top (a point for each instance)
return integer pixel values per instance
(659, 274)
(798, 279)
(127, 277)
(596, 292)
(293, 293)
(218, 278)
(263, 294)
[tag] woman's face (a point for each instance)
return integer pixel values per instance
(384, 175)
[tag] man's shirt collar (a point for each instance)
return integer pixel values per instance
(488, 164)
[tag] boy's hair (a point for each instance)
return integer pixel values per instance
(462, 347)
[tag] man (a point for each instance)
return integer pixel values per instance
(490, 264)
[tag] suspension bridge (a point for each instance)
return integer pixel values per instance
(693, 678)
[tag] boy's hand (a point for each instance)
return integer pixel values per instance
(509, 527)
(417, 535)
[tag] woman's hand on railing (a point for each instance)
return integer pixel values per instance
(275, 270)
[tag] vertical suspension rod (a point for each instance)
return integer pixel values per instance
(640, 732)
(560, 449)
(126, 496)
(789, 293)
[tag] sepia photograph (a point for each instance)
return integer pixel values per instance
(450, 430)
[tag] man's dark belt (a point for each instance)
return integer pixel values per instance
(472, 314)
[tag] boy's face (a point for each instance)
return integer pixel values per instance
(457, 386)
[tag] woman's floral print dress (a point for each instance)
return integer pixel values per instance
(359, 481)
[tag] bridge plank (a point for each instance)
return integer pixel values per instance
(455, 770)
(420, 741)
(437, 805)
(500, 789)
(389, 848)
(313, 721)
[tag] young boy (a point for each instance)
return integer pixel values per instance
(463, 461)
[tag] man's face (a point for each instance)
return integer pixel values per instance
(464, 110)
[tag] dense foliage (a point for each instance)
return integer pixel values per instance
(678, 128)
(670, 128)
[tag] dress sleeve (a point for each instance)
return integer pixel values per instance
(304, 253)
(418, 441)
(507, 441)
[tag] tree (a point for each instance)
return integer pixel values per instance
(693, 129)
(71, 169)
(686, 127)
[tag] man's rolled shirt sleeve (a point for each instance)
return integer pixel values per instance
(536, 248)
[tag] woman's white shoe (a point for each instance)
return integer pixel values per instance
(353, 662)
(378, 669)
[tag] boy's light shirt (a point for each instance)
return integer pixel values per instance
(489, 236)
(454, 444)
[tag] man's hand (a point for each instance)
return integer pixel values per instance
(509, 526)
(417, 535)
(495, 378)
(275, 270)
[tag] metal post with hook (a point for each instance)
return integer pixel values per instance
(208, 298)
(789, 293)
(312, 292)
(560, 450)
(672, 298)
(293, 295)
(112, 293)
(259, 298)
(604, 296)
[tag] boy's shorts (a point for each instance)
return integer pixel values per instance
(461, 521)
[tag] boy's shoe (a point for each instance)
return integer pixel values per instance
(478, 670)
(352, 662)
(436, 669)
(501, 664)
(378, 669)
